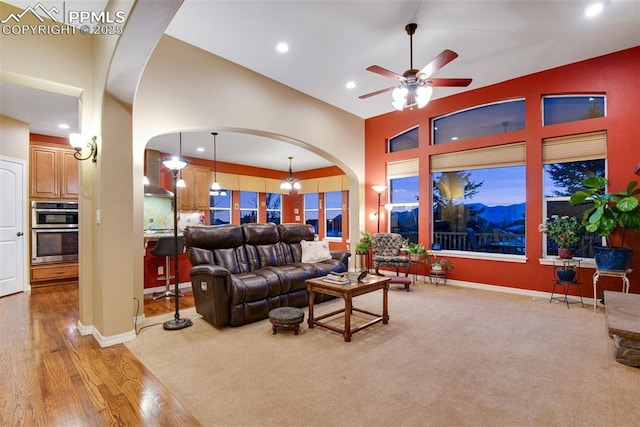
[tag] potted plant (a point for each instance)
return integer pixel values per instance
(441, 265)
(416, 251)
(566, 273)
(611, 214)
(364, 245)
(564, 231)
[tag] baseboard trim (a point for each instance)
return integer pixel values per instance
(106, 341)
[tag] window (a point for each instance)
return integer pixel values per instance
(311, 210)
(333, 213)
(274, 207)
(480, 210)
(567, 162)
(479, 121)
(248, 207)
(404, 207)
(220, 209)
(405, 141)
(563, 109)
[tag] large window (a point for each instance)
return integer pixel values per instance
(274, 207)
(563, 109)
(405, 141)
(311, 206)
(404, 207)
(333, 213)
(220, 207)
(567, 162)
(248, 207)
(483, 120)
(480, 210)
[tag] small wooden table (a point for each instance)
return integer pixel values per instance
(348, 292)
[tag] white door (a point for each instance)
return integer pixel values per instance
(12, 232)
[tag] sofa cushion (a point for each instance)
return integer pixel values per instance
(315, 251)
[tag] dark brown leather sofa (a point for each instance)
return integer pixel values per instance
(241, 272)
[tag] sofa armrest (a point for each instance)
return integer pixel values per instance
(342, 256)
(211, 284)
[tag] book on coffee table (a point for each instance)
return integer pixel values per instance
(337, 278)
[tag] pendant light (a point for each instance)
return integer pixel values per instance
(290, 182)
(215, 187)
(180, 183)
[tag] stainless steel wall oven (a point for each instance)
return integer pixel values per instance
(54, 232)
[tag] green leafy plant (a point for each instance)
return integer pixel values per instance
(416, 249)
(610, 211)
(364, 245)
(563, 230)
(445, 264)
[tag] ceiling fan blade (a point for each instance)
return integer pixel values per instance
(436, 63)
(384, 72)
(378, 92)
(449, 82)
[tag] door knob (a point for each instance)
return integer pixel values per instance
(19, 233)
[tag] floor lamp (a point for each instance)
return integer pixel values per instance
(175, 164)
(379, 189)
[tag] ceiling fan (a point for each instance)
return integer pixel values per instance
(416, 86)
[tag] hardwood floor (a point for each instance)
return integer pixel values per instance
(53, 376)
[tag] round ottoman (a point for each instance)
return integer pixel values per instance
(286, 317)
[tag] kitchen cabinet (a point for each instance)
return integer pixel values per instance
(195, 195)
(53, 172)
(54, 274)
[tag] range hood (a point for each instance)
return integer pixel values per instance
(153, 189)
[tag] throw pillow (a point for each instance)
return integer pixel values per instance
(315, 251)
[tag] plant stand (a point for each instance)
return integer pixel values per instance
(438, 277)
(611, 273)
(565, 283)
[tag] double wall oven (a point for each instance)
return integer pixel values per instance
(54, 232)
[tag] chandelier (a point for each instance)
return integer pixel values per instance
(290, 183)
(215, 187)
(411, 92)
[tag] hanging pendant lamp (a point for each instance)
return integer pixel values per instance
(215, 187)
(180, 183)
(290, 183)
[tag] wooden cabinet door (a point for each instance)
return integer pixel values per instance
(201, 188)
(44, 172)
(185, 194)
(68, 175)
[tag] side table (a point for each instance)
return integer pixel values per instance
(611, 273)
(414, 264)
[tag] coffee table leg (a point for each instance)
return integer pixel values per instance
(385, 304)
(311, 298)
(347, 319)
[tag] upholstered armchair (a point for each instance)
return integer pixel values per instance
(386, 252)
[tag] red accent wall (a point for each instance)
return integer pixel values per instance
(615, 75)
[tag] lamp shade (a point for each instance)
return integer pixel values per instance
(174, 163)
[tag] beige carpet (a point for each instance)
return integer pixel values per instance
(450, 356)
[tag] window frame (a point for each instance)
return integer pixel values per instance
(328, 209)
(212, 209)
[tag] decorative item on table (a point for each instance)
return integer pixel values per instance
(441, 265)
(611, 214)
(564, 231)
(337, 278)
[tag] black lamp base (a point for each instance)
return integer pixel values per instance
(176, 324)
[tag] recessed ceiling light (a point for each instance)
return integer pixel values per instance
(593, 9)
(200, 149)
(63, 126)
(455, 138)
(282, 47)
(350, 85)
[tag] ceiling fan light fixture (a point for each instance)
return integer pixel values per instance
(423, 95)
(400, 93)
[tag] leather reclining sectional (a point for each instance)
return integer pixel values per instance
(241, 272)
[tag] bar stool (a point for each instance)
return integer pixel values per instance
(165, 247)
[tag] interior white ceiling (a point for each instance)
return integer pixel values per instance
(332, 42)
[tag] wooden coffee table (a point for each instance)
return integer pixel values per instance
(348, 292)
